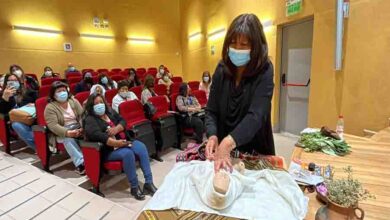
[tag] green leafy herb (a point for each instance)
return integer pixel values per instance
(317, 142)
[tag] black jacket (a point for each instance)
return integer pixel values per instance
(95, 128)
(244, 112)
(29, 97)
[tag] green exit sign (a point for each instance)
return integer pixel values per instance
(293, 7)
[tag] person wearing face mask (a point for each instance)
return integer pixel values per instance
(148, 90)
(70, 69)
(123, 95)
(166, 80)
(188, 106)
(162, 71)
(238, 113)
(85, 84)
(133, 80)
(107, 82)
(205, 84)
(63, 118)
(16, 95)
(27, 81)
(48, 73)
(108, 127)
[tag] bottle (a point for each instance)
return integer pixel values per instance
(340, 127)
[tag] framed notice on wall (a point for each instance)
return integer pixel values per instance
(67, 47)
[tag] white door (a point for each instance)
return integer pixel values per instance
(295, 76)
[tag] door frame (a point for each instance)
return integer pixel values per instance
(278, 67)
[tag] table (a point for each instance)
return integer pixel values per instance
(370, 162)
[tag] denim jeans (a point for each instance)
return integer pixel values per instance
(74, 151)
(127, 155)
(25, 133)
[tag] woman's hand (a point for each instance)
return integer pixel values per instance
(8, 92)
(222, 155)
(72, 133)
(211, 146)
(112, 131)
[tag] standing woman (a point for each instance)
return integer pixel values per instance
(239, 107)
(206, 83)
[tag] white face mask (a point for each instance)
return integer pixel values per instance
(161, 71)
(18, 73)
(124, 95)
(206, 79)
(48, 73)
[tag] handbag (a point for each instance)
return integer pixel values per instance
(25, 115)
(149, 110)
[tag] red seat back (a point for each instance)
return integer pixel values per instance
(44, 91)
(49, 81)
(173, 101)
(175, 87)
(95, 79)
(110, 95)
(40, 105)
(124, 73)
(117, 78)
(74, 79)
(72, 88)
(137, 91)
(161, 105)
(73, 74)
(140, 72)
(201, 96)
(82, 96)
(194, 85)
(152, 70)
(116, 70)
(132, 111)
(102, 71)
(87, 70)
(160, 89)
(177, 79)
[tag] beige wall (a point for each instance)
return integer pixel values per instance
(359, 92)
(146, 18)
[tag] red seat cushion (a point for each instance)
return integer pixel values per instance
(113, 165)
(130, 124)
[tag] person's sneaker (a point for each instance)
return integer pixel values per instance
(80, 170)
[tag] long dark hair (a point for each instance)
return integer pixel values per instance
(136, 81)
(110, 83)
(149, 82)
(22, 89)
(54, 86)
(183, 89)
(91, 102)
(250, 26)
(208, 74)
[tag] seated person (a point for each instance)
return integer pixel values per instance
(1, 82)
(70, 69)
(133, 80)
(162, 71)
(85, 84)
(205, 84)
(28, 81)
(48, 73)
(123, 95)
(63, 118)
(104, 125)
(188, 106)
(96, 89)
(16, 95)
(148, 90)
(166, 80)
(107, 82)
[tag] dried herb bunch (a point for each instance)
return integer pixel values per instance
(348, 191)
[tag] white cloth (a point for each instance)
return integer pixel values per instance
(93, 89)
(267, 194)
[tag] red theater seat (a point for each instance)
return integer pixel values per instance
(177, 79)
(44, 91)
(137, 90)
(73, 74)
(110, 95)
(160, 89)
(49, 81)
(194, 85)
(201, 96)
(74, 79)
(82, 96)
(117, 78)
(175, 87)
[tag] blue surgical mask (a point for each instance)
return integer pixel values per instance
(99, 109)
(104, 80)
(13, 84)
(62, 96)
(239, 57)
